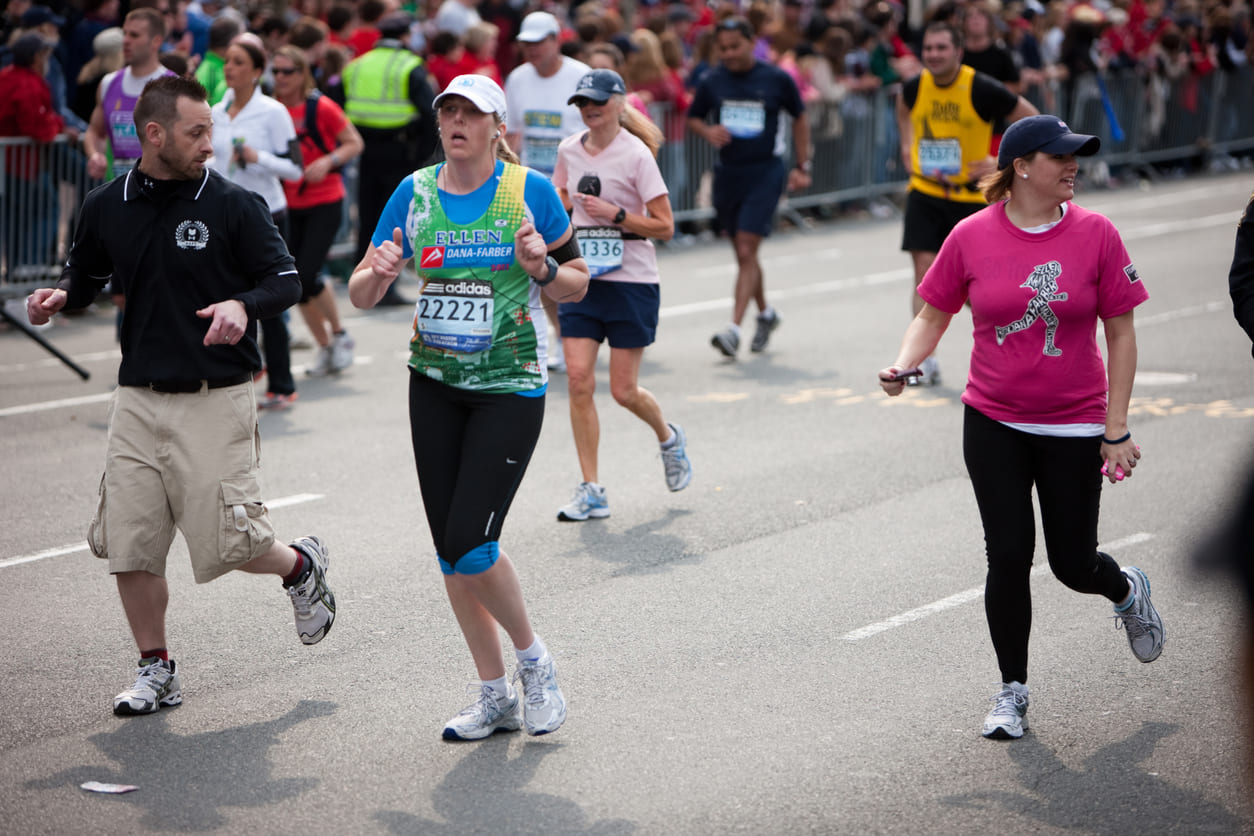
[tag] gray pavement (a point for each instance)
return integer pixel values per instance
(794, 644)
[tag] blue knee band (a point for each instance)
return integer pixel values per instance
(474, 562)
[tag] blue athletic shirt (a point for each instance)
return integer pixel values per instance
(748, 104)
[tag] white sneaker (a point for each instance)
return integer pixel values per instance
(342, 346)
(557, 357)
(675, 461)
(1141, 621)
(484, 717)
(156, 684)
(321, 366)
(312, 600)
(931, 376)
(544, 707)
(589, 500)
(1009, 718)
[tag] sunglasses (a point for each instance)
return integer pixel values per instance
(582, 102)
(284, 70)
(732, 24)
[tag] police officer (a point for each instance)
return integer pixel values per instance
(388, 98)
(199, 260)
(945, 118)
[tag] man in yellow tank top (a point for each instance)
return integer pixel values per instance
(945, 118)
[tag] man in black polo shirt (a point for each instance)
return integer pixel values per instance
(198, 260)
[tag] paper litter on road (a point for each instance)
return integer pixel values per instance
(112, 789)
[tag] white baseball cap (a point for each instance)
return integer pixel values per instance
(537, 26)
(483, 93)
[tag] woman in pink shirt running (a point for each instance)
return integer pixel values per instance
(1040, 273)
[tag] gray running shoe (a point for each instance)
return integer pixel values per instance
(485, 717)
(544, 707)
(675, 461)
(1144, 627)
(312, 599)
(156, 684)
(321, 366)
(341, 352)
(1009, 718)
(762, 335)
(589, 501)
(727, 342)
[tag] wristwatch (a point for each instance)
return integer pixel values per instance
(550, 274)
(621, 216)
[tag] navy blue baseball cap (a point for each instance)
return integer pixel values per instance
(599, 85)
(1043, 133)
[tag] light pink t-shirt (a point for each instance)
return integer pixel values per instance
(629, 178)
(1036, 300)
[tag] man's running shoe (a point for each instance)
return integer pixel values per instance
(485, 717)
(767, 322)
(544, 707)
(589, 501)
(1009, 718)
(726, 341)
(1140, 620)
(321, 366)
(930, 376)
(156, 684)
(675, 460)
(342, 346)
(312, 599)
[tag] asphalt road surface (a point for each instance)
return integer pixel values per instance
(794, 644)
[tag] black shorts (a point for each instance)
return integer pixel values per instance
(929, 220)
(745, 196)
(625, 313)
(312, 234)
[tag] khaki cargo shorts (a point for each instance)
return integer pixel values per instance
(186, 461)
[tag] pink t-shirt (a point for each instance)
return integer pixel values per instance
(629, 177)
(1036, 299)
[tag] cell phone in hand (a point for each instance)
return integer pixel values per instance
(905, 374)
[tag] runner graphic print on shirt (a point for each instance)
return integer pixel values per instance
(1043, 280)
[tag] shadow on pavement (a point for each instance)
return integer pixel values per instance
(1112, 793)
(213, 770)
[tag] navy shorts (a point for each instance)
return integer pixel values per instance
(929, 220)
(745, 196)
(625, 313)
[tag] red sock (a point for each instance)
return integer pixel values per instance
(161, 653)
(298, 570)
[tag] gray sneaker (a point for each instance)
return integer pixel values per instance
(675, 460)
(341, 352)
(544, 707)
(1009, 718)
(767, 323)
(1144, 627)
(312, 599)
(930, 376)
(589, 501)
(485, 717)
(156, 684)
(727, 342)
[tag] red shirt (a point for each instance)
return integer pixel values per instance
(329, 120)
(363, 39)
(26, 110)
(445, 70)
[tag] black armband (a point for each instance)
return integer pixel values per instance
(568, 251)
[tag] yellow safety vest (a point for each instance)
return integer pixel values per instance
(376, 88)
(948, 136)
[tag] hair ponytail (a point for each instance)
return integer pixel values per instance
(641, 127)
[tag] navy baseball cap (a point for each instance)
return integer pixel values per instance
(1043, 133)
(599, 85)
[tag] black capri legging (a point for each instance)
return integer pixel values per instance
(471, 450)
(1004, 465)
(312, 234)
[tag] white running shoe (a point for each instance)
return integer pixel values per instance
(312, 600)
(1009, 718)
(557, 357)
(156, 684)
(485, 717)
(321, 366)
(1141, 621)
(727, 342)
(675, 460)
(931, 376)
(544, 707)
(342, 346)
(589, 500)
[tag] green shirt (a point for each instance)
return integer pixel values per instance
(210, 74)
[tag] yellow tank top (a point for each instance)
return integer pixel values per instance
(948, 136)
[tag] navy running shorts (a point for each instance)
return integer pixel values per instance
(625, 313)
(745, 196)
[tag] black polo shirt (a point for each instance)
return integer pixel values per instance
(172, 248)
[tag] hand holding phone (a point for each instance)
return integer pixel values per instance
(904, 375)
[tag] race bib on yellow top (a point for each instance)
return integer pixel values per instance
(602, 248)
(942, 156)
(456, 315)
(743, 119)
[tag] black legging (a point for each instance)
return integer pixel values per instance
(1004, 465)
(279, 380)
(471, 450)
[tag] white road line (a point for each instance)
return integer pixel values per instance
(281, 502)
(960, 598)
(46, 405)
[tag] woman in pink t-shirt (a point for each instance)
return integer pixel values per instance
(608, 176)
(1040, 273)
